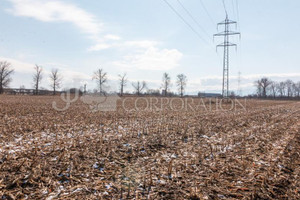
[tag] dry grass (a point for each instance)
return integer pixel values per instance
(46, 154)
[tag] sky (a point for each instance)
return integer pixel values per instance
(145, 38)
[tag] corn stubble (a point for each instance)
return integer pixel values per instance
(79, 154)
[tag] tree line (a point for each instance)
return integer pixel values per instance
(99, 76)
(265, 87)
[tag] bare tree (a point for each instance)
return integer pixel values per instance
(166, 83)
(286, 88)
(297, 89)
(101, 77)
(55, 78)
(139, 87)
(294, 90)
(273, 89)
(258, 86)
(181, 83)
(266, 82)
(122, 82)
(262, 86)
(289, 87)
(37, 78)
(281, 88)
(5, 73)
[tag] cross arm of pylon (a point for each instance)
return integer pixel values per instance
(227, 22)
(226, 44)
(227, 33)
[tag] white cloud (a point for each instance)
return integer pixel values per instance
(19, 66)
(112, 37)
(152, 59)
(140, 43)
(274, 76)
(214, 83)
(99, 47)
(57, 11)
(134, 45)
(23, 74)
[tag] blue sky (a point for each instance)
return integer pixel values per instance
(145, 38)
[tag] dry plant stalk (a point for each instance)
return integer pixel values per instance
(79, 154)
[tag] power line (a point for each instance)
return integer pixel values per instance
(178, 14)
(238, 14)
(209, 16)
(193, 18)
(239, 28)
(224, 6)
(233, 8)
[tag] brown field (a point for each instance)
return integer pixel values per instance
(203, 154)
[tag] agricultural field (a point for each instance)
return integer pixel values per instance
(80, 153)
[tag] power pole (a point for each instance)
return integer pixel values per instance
(239, 90)
(226, 45)
(84, 90)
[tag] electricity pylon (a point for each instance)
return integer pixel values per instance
(239, 90)
(226, 45)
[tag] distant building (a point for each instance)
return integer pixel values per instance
(23, 91)
(204, 94)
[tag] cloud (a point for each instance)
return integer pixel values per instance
(112, 37)
(114, 41)
(214, 83)
(99, 47)
(57, 11)
(24, 71)
(151, 59)
(19, 66)
(140, 43)
(274, 76)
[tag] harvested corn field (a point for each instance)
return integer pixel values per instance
(78, 153)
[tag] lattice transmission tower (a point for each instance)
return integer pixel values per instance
(226, 23)
(239, 89)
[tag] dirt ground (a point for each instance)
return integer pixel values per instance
(252, 152)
